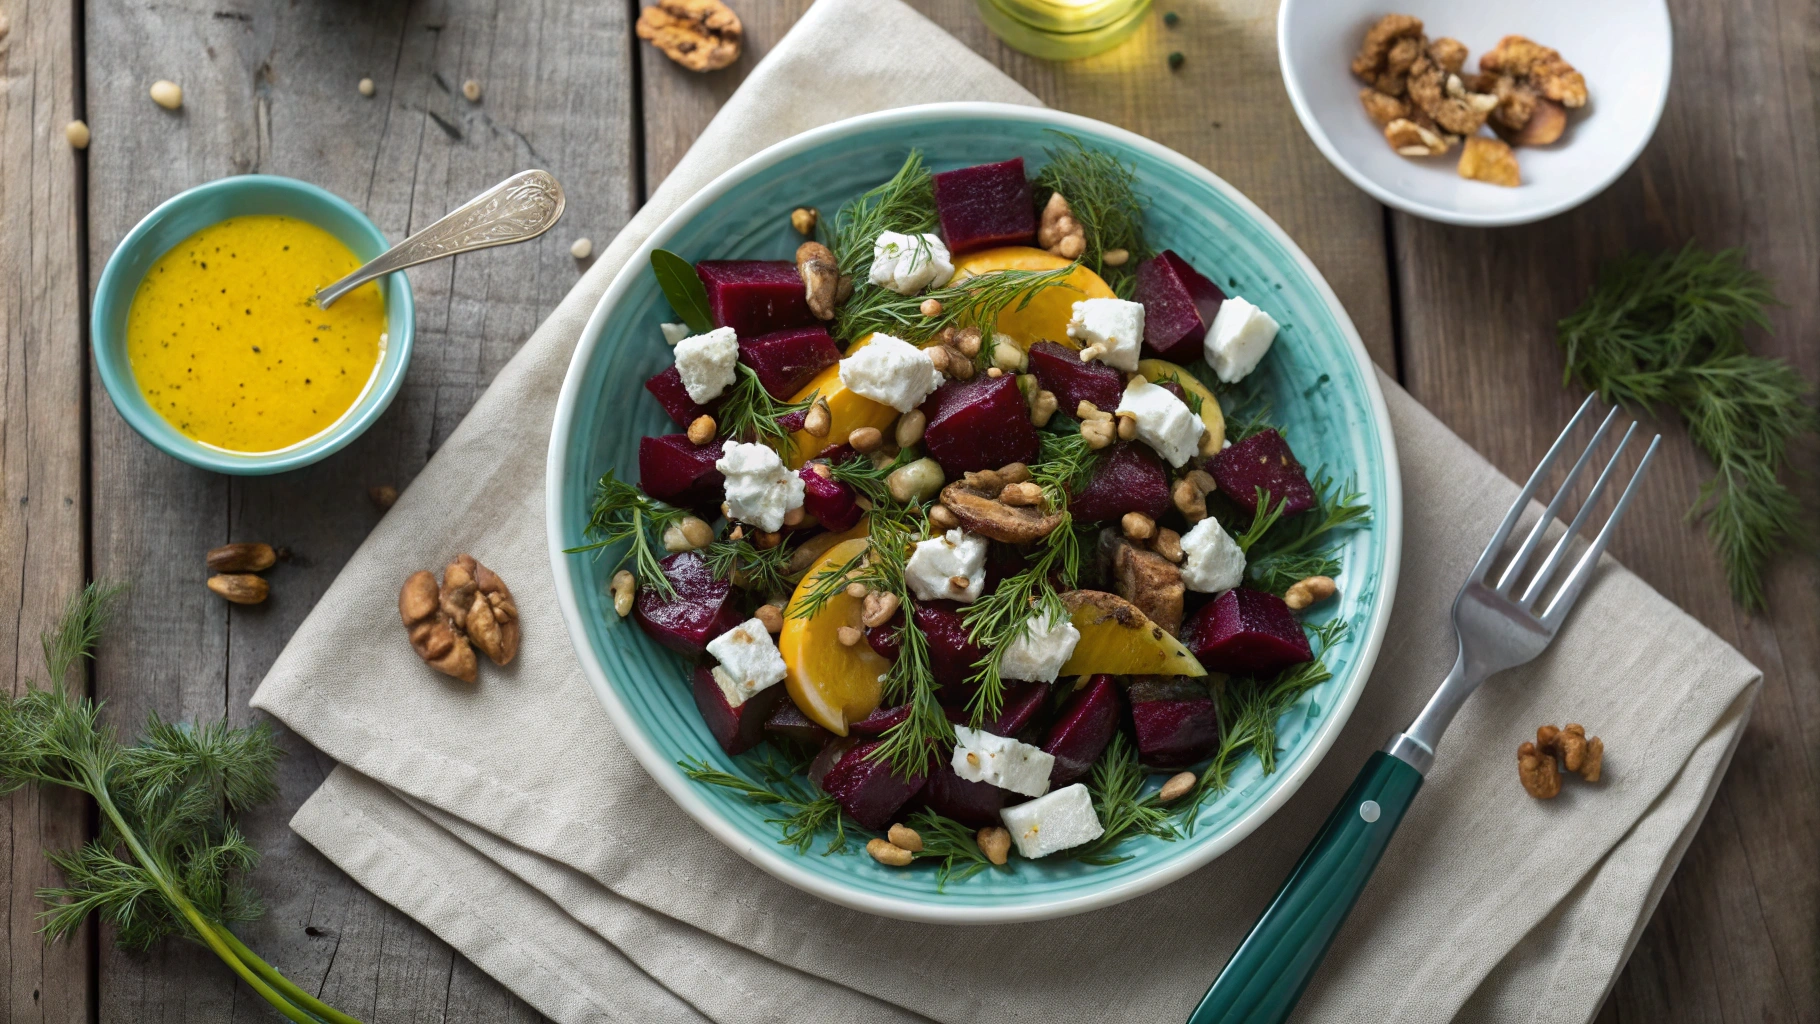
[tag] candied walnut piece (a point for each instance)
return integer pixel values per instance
(1374, 51)
(1583, 756)
(433, 636)
(1403, 54)
(701, 35)
(1545, 69)
(1448, 52)
(1411, 139)
(1541, 779)
(1382, 109)
(1489, 160)
(492, 622)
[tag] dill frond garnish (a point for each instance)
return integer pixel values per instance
(1020, 601)
(904, 204)
(1261, 521)
(1102, 192)
(974, 302)
(912, 746)
(749, 413)
(1194, 399)
(1666, 330)
(622, 512)
(1064, 464)
(810, 815)
(1117, 784)
(757, 569)
(1277, 573)
(868, 479)
(952, 845)
(1336, 507)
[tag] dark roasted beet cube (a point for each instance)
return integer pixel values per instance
(1262, 461)
(667, 388)
(867, 789)
(1246, 631)
(833, 503)
(788, 359)
(754, 297)
(883, 639)
(1175, 726)
(736, 729)
(879, 721)
(1179, 306)
(1059, 370)
(977, 424)
(672, 469)
(1082, 729)
(951, 655)
(973, 804)
(788, 721)
(984, 206)
(1127, 478)
(702, 608)
(1020, 708)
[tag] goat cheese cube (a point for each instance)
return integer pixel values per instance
(1240, 335)
(674, 333)
(759, 489)
(1114, 326)
(1164, 422)
(1057, 821)
(938, 562)
(706, 362)
(1212, 561)
(906, 264)
(979, 756)
(1041, 651)
(749, 661)
(892, 371)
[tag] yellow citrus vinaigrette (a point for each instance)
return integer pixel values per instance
(227, 344)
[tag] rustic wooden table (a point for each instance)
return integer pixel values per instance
(1462, 317)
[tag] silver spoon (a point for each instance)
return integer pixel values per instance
(517, 209)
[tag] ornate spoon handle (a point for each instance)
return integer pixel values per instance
(516, 210)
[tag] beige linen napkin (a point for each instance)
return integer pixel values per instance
(511, 820)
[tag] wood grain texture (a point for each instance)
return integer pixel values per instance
(42, 504)
(270, 87)
(1735, 937)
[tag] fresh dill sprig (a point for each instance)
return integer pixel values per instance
(1277, 573)
(1102, 192)
(952, 845)
(974, 302)
(869, 479)
(1117, 784)
(905, 204)
(1194, 398)
(749, 412)
(1256, 421)
(1017, 604)
(1336, 507)
(1064, 465)
(1261, 521)
(1666, 330)
(912, 746)
(622, 512)
(169, 858)
(809, 816)
(757, 569)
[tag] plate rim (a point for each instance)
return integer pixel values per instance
(773, 858)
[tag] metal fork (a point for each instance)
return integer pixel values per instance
(1498, 628)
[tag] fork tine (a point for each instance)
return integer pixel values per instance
(1483, 568)
(1515, 569)
(1576, 582)
(1560, 552)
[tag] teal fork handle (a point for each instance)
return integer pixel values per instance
(1265, 978)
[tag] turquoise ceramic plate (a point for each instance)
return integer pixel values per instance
(1318, 375)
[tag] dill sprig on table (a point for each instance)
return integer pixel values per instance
(622, 512)
(1102, 192)
(1666, 330)
(749, 412)
(974, 302)
(809, 814)
(905, 204)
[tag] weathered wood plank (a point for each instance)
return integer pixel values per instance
(42, 504)
(270, 87)
(1739, 930)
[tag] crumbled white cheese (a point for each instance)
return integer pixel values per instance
(1058, 821)
(674, 333)
(936, 563)
(1040, 651)
(759, 489)
(892, 371)
(706, 362)
(1164, 422)
(906, 264)
(749, 661)
(980, 756)
(1240, 335)
(1212, 561)
(1114, 326)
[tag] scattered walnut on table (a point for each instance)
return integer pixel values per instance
(701, 35)
(1538, 772)
(472, 608)
(1539, 762)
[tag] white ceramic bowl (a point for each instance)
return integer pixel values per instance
(1623, 47)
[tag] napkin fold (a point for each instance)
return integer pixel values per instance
(509, 819)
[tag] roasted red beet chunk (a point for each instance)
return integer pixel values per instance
(672, 469)
(736, 729)
(831, 502)
(789, 722)
(1179, 306)
(1176, 721)
(701, 610)
(1246, 631)
(754, 297)
(951, 655)
(786, 360)
(977, 424)
(985, 206)
(879, 721)
(1262, 460)
(973, 804)
(1020, 710)
(868, 790)
(1082, 729)
(1059, 370)
(667, 388)
(1128, 478)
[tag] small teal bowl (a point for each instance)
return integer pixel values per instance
(186, 213)
(1318, 379)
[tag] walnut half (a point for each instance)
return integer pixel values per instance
(701, 35)
(472, 608)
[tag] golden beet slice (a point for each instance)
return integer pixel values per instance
(831, 683)
(1119, 640)
(1047, 315)
(847, 412)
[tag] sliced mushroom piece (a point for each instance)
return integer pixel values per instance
(991, 518)
(1151, 583)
